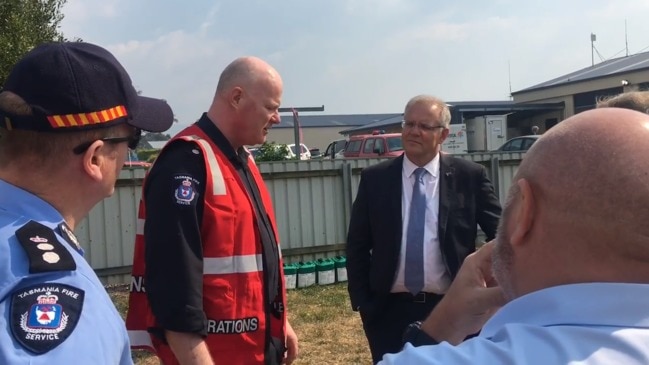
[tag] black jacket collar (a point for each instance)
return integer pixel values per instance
(238, 157)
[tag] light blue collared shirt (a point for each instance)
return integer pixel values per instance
(436, 279)
(593, 323)
(99, 336)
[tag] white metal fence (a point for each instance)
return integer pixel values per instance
(312, 202)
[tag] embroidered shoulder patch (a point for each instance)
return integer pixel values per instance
(44, 315)
(185, 192)
(44, 251)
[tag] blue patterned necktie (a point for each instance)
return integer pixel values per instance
(414, 264)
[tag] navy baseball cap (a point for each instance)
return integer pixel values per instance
(74, 86)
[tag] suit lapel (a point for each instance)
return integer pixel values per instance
(446, 190)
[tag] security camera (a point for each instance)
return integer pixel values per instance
(624, 82)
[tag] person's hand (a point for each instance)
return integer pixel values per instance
(470, 301)
(291, 345)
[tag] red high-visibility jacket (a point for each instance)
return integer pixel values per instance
(233, 277)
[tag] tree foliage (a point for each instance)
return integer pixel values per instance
(152, 137)
(155, 136)
(148, 155)
(25, 24)
(271, 151)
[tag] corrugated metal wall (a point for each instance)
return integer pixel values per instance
(505, 164)
(108, 233)
(312, 202)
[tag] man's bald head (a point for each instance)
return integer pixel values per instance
(593, 168)
(579, 206)
(246, 102)
(591, 172)
(245, 72)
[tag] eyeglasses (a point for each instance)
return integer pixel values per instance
(132, 140)
(409, 124)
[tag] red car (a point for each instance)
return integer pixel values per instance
(373, 145)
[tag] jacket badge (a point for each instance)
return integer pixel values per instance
(185, 192)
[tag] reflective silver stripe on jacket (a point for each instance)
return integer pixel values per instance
(218, 184)
(232, 264)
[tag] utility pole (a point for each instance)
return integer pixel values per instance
(296, 123)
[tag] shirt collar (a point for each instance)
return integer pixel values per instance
(594, 304)
(432, 167)
(20, 202)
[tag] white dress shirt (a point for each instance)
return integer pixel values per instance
(436, 279)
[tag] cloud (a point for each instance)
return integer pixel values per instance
(376, 7)
(86, 10)
(355, 56)
(178, 66)
(81, 14)
(89, 19)
(210, 18)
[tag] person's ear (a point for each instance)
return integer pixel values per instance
(523, 216)
(445, 132)
(235, 96)
(93, 160)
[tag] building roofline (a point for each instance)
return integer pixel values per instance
(613, 67)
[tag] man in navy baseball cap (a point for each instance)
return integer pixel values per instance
(68, 114)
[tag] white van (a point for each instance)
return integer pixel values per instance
(305, 154)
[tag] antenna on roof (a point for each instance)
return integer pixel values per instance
(626, 40)
(509, 72)
(593, 38)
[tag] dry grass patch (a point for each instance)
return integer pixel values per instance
(328, 330)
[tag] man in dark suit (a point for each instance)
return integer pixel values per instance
(413, 222)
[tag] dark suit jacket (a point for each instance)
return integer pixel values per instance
(466, 199)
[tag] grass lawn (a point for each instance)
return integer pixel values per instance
(328, 331)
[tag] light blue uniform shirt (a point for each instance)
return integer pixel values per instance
(595, 323)
(39, 309)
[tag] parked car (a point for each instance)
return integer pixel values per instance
(374, 145)
(519, 144)
(304, 153)
(315, 153)
(254, 151)
(335, 149)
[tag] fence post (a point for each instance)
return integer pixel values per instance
(346, 168)
(495, 175)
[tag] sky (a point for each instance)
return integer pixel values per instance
(356, 56)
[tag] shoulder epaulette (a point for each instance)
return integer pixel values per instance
(43, 249)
